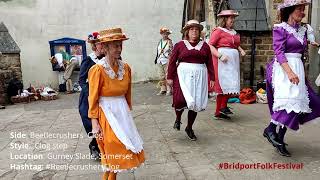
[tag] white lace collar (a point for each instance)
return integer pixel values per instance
(190, 47)
(298, 34)
(109, 70)
(232, 31)
(94, 57)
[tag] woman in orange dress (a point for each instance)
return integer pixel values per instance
(110, 108)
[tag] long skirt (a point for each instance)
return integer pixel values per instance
(290, 105)
(228, 73)
(120, 145)
(190, 87)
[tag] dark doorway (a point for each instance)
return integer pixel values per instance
(194, 9)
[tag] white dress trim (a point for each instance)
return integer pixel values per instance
(105, 168)
(232, 31)
(190, 47)
(229, 72)
(299, 34)
(93, 57)
(120, 119)
(193, 79)
(288, 96)
(109, 70)
(310, 33)
(277, 123)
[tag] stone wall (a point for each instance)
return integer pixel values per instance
(314, 56)
(11, 62)
(10, 67)
(273, 9)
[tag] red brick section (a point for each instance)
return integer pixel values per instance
(264, 53)
(264, 50)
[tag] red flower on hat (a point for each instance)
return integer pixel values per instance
(95, 34)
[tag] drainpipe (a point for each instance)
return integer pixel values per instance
(253, 48)
(184, 13)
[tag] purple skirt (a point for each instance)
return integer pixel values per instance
(292, 120)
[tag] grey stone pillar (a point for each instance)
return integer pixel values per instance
(314, 68)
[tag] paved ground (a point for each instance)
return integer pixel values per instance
(170, 155)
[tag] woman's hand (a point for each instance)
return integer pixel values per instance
(96, 129)
(211, 84)
(223, 58)
(315, 44)
(294, 79)
(169, 82)
(243, 53)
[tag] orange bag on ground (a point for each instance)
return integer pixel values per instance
(247, 96)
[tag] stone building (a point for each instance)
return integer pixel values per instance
(32, 23)
(256, 18)
(10, 65)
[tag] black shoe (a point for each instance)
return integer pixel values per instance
(95, 152)
(177, 125)
(225, 111)
(190, 134)
(272, 138)
(283, 151)
(222, 116)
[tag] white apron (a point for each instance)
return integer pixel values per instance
(229, 72)
(120, 119)
(288, 96)
(193, 79)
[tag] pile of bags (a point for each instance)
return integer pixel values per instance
(248, 96)
(48, 94)
(262, 96)
(17, 94)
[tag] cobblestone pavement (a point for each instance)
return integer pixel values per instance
(170, 155)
